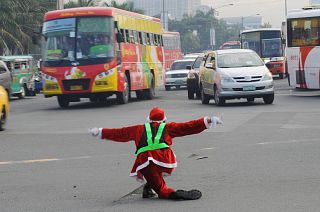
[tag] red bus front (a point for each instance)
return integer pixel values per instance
(79, 56)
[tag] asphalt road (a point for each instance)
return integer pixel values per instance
(264, 157)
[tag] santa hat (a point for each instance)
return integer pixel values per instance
(156, 115)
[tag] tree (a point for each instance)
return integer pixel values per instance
(201, 23)
(129, 6)
(81, 3)
(19, 21)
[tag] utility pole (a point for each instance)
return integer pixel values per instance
(164, 17)
(60, 4)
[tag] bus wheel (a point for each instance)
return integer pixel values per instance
(23, 92)
(150, 93)
(123, 97)
(63, 101)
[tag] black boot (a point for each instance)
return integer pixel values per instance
(147, 191)
(185, 195)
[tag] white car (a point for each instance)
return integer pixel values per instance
(177, 75)
(235, 74)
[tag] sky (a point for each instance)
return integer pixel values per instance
(272, 11)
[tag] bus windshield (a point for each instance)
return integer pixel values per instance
(81, 38)
(271, 47)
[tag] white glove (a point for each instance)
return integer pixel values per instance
(96, 132)
(216, 120)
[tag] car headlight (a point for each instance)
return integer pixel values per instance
(267, 76)
(226, 79)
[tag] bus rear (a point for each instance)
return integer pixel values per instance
(303, 41)
(172, 48)
(268, 44)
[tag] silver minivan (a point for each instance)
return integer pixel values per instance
(234, 74)
(5, 77)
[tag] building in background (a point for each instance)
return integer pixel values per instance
(312, 2)
(175, 9)
(247, 22)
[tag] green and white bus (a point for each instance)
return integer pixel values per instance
(20, 67)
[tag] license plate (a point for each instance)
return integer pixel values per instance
(249, 88)
(180, 82)
(76, 87)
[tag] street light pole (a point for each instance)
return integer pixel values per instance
(285, 8)
(225, 5)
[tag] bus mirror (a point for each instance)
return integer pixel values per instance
(119, 37)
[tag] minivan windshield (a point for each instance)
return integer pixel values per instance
(179, 65)
(240, 59)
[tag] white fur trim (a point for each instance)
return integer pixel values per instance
(164, 119)
(145, 164)
(100, 133)
(206, 122)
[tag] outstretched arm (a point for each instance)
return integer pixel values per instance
(124, 134)
(192, 127)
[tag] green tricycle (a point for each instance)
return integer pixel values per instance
(20, 67)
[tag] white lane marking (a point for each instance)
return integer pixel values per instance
(42, 160)
(287, 142)
(208, 148)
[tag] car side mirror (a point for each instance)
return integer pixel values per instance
(210, 65)
(188, 67)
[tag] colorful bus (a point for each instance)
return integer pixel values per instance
(172, 48)
(269, 45)
(97, 52)
(303, 48)
(20, 67)
(231, 45)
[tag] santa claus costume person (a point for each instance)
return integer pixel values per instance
(154, 155)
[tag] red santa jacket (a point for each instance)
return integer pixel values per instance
(162, 157)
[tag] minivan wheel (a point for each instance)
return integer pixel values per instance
(218, 100)
(268, 99)
(204, 97)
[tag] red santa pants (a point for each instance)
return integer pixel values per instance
(153, 175)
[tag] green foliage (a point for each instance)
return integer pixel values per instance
(19, 22)
(195, 31)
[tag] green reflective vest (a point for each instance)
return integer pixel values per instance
(153, 145)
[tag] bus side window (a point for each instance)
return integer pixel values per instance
(155, 39)
(135, 35)
(127, 37)
(160, 43)
(148, 41)
(131, 36)
(151, 39)
(123, 34)
(16, 65)
(140, 41)
(144, 40)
